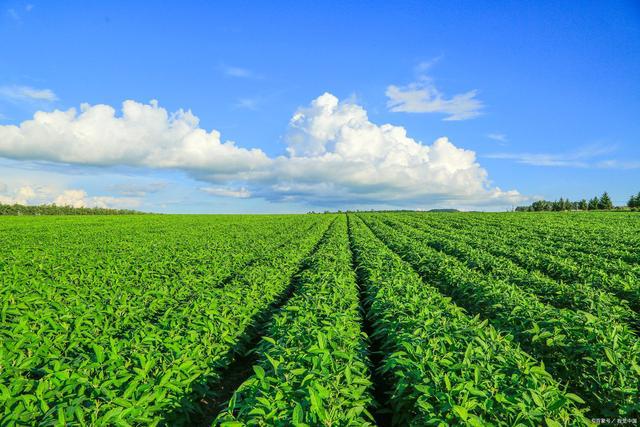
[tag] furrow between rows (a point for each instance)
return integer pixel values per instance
(443, 366)
(597, 359)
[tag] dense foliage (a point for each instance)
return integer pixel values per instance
(338, 319)
(53, 209)
(603, 202)
(314, 367)
(444, 366)
(130, 319)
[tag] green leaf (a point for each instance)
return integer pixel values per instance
(610, 356)
(269, 340)
(552, 423)
(447, 383)
(537, 399)
(461, 412)
(574, 397)
(259, 371)
(298, 414)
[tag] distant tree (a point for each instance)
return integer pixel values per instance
(597, 203)
(541, 205)
(53, 209)
(605, 201)
(562, 205)
(634, 201)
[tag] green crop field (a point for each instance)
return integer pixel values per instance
(320, 320)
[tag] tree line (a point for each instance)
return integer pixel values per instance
(634, 201)
(53, 209)
(603, 202)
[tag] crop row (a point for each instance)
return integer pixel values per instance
(598, 359)
(82, 355)
(613, 244)
(603, 275)
(446, 367)
(112, 287)
(578, 296)
(614, 252)
(313, 368)
(607, 236)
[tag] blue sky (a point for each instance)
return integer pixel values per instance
(490, 104)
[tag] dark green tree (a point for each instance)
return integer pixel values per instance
(605, 201)
(582, 205)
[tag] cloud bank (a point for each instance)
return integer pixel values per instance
(77, 198)
(336, 152)
(334, 155)
(143, 135)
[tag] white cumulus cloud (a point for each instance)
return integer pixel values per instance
(21, 196)
(334, 155)
(80, 199)
(73, 198)
(337, 154)
(77, 198)
(143, 135)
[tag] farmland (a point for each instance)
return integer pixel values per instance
(401, 318)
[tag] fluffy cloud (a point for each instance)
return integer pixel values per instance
(27, 93)
(144, 135)
(73, 198)
(423, 97)
(77, 198)
(21, 196)
(335, 155)
(80, 199)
